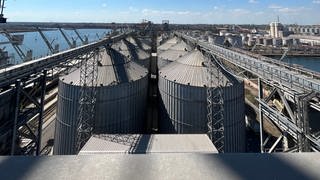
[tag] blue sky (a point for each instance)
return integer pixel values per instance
(182, 11)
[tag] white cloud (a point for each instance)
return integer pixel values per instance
(316, 1)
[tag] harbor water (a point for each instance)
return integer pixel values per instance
(33, 41)
(312, 63)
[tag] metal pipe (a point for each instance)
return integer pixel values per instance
(16, 115)
(43, 93)
(261, 115)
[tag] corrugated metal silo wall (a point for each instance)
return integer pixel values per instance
(67, 119)
(184, 108)
(234, 113)
(119, 109)
(122, 107)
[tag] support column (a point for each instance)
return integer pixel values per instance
(260, 96)
(285, 143)
(41, 109)
(16, 116)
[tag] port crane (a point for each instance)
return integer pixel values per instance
(2, 18)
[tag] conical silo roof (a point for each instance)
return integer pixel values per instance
(168, 44)
(113, 68)
(174, 52)
(121, 47)
(189, 70)
(142, 44)
(181, 46)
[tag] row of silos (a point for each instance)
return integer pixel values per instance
(121, 99)
(122, 91)
(182, 86)
(171, 50)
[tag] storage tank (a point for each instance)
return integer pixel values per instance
(145, 43)
(121, 100)
(184, 101)
(169, 43)
(137, 52)
(173, 53)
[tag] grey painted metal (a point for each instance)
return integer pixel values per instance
(297, 81)
(184, 101)
(148, 143)
(16, 116)
(163, 166)
(172, 50)
(169, 43)
(87, 99)
(260, 95)
(11, 74)
(67, 119)
(120, 106)
(41, 109)
(134, 50)
(285, 124)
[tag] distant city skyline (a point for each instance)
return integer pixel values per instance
(180, 12)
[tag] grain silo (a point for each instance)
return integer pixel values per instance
(166, 45)
(175, 51)
(121, 100)
(182, 85)
(137, 51)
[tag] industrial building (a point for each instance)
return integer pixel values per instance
(276, 30)
(306, 30)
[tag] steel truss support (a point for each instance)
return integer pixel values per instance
(296, 124)
(87, 99)
(23, 128)
(215, 106)
(303, 121)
